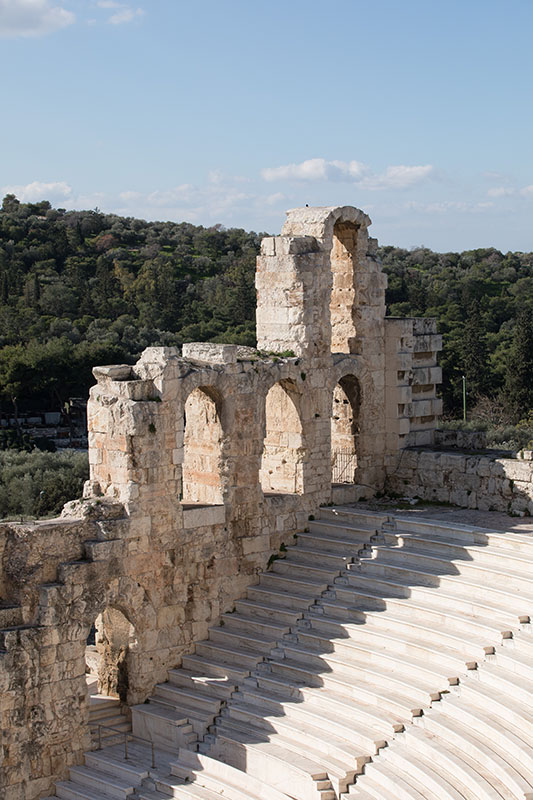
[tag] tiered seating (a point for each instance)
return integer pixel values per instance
(382, 658)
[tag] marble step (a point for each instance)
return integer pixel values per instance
(249, 640)
(509, 772)
(385, 559)
(234, 655)
(212, 687)
(452, 630)
(267, 628)
(368, 595)
(206, 770)
(270, 762)
(268, 611)
(102, 782)
(213, 668)
(348, 738)
(307, 555)
(454, 551)
(398, 584)
(336, 697)
(297, 599)
(334, 542)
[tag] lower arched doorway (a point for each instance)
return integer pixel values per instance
(346, 402)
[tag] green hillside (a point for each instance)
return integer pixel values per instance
(81, 288)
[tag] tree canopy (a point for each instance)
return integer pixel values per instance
(79, 288)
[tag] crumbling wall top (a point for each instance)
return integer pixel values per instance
(319, 221)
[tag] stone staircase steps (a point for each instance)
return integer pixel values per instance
(217, 774)
(265, 628)
(313, 556)
(71, 790)
(270, 594)
(445, 779)
(319, 650)
(331, 541)
(297, 569)
(248, 639)
(454, 533)
(399, 665)
(452, 552)
(219, 688)
(424, 600)
(336, 697)
(213, 668)
(179, 696)
(344, 736)
(298, 739)
(303, 585)
(516, 777)
(165, 725)
(430, 755)
(512, 741)
(401, 648)
(234, 654)
(389, 558)
(104, 782)
(382, 682)
(455, 585)
(451, 629)
(257, 609)
(385, 785)
(368, 693)
(272, 763)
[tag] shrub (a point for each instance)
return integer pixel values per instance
(38, 484)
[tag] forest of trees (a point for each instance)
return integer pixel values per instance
(80, 288)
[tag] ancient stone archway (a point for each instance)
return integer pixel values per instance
(202, 448)
(114, 637)
(282, 462)
(344, 429)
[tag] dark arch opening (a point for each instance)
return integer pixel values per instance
(346, 404)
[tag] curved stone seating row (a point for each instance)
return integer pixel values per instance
(376, 644)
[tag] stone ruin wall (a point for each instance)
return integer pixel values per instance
(202, 464)
(470, 480)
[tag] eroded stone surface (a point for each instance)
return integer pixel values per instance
(202, 464)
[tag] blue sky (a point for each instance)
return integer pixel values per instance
(231, 111)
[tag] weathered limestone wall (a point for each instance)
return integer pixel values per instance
(202, 464)
(411, 378)
(472, 481)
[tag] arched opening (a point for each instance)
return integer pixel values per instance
(110, 643)
(344, 430)
(106, 654)
(343, 268)
(282, 462)
(202, 456)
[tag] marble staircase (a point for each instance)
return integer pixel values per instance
(383, 656)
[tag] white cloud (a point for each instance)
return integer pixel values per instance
(129, 195)
(125, 15)
(399, 177)
(31, 192)
(32, 18)
(446, 206)
(316, 169)
(500, 191)
(527, 191)
(319, 169)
